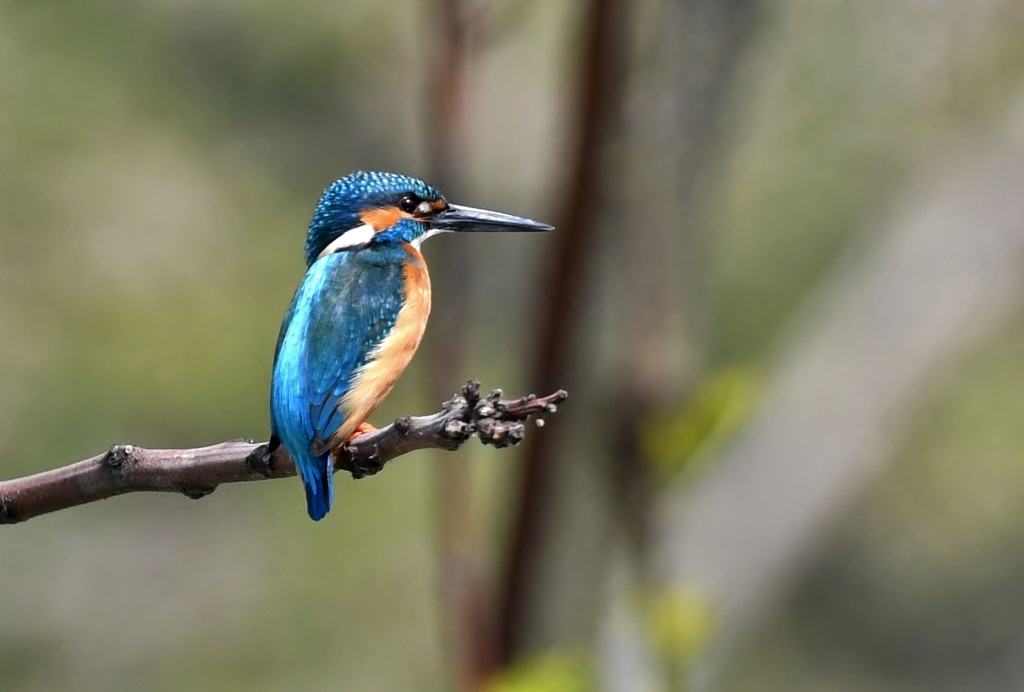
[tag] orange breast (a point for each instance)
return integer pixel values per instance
(374, 380)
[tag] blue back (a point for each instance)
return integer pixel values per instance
(347, 303)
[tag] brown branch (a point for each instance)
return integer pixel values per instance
(197, 472)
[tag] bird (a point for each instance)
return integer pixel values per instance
(358, 314)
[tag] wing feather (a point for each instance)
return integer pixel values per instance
(341, 312)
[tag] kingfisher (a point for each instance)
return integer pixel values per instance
(359, 314)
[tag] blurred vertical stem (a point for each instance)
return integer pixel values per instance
(682, 71)
(463, 596)
(622, 320)
(600, 79)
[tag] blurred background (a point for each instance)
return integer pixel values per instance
(786, 295)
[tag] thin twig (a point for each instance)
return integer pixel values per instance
(197, 472)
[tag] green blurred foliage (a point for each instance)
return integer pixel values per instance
(549, 673)
(922, 583)
(843, 108)
(718, 408)
(839, 107)
(680, 623)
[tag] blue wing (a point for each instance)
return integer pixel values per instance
(346, 304)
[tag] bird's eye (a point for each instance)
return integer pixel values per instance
(408, 203)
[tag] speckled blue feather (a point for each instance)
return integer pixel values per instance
(347, 303)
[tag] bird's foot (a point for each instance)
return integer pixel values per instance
(361, 467)
(363, 428)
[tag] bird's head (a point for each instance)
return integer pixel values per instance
(371, 208)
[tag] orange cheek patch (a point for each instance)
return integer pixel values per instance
(383, 218)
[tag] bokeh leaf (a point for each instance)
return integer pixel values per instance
(717, 409)
(553, 672)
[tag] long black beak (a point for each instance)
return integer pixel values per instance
(463, 219)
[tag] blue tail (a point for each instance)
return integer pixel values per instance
(318, 480)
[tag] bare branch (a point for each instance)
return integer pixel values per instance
(197, 472)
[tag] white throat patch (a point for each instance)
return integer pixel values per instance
(360, 235)
(416, 242)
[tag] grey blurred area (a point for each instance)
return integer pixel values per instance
(792, 329)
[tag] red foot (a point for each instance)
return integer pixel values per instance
(362, 429)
